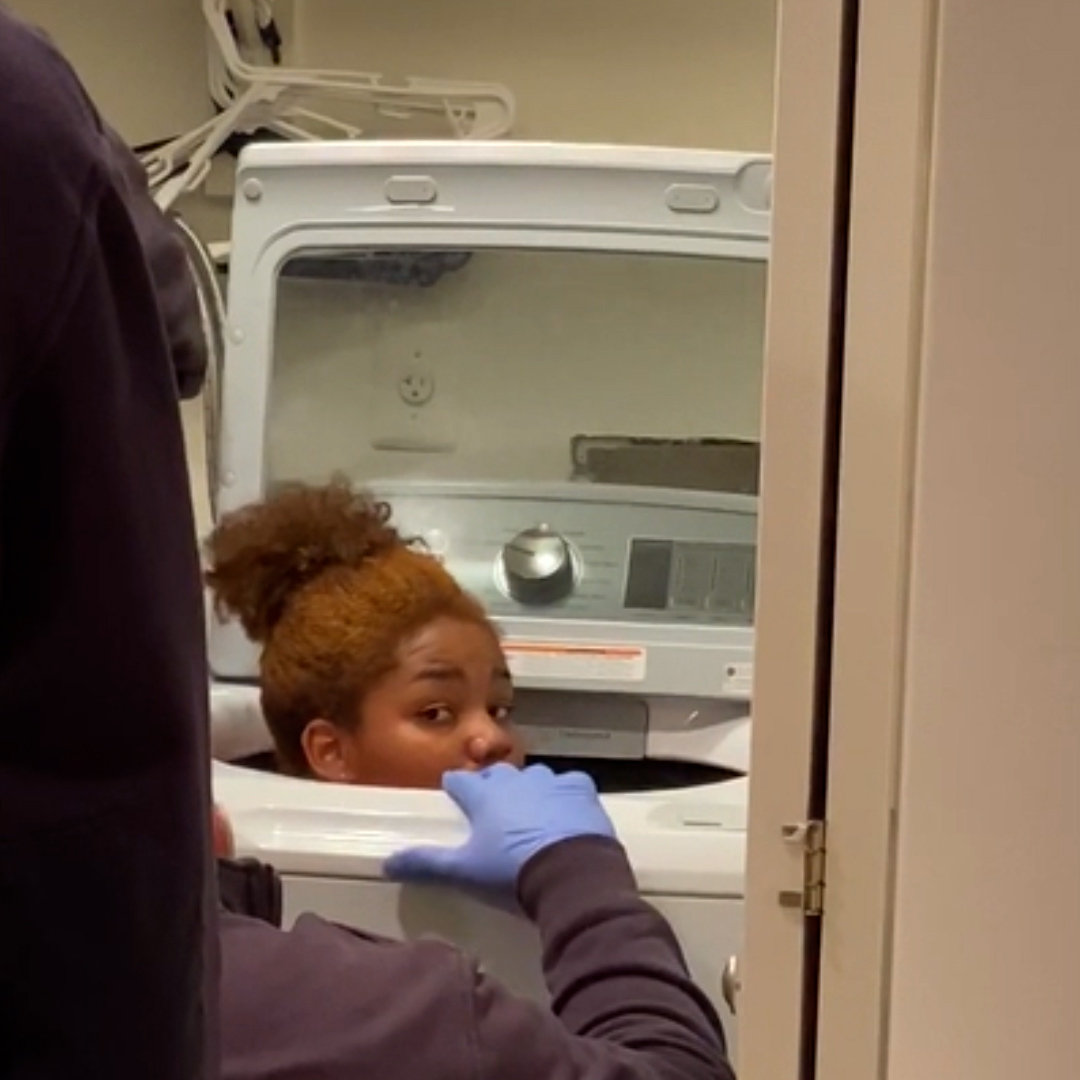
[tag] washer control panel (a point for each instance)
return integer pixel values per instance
(590, 552)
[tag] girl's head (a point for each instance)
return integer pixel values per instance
(377, 668)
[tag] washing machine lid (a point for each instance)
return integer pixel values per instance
(610, 202)
(688, 843)
(425, 195)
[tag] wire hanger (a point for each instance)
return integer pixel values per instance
(273, 97)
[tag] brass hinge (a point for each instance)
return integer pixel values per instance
(810, 837)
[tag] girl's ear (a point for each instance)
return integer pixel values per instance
(324, 745)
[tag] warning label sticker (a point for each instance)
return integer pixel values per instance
(543, 660)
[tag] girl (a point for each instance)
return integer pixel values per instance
(377, 668)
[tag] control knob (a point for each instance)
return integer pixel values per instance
(537, 567)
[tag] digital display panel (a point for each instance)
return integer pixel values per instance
(692, 578)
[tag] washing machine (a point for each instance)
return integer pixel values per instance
(329, 841)
(547, 359)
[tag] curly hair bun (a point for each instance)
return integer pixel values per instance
(262, 554)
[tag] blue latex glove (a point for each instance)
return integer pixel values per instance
(513, 815)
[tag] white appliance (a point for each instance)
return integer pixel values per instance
(370, 282)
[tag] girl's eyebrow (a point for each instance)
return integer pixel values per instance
(439, 673)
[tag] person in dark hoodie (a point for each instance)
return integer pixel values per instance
(319, 1000)
(109, 949)
(107, 898)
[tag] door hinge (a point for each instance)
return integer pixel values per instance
(809, 836)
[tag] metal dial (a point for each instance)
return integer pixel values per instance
(537, 567)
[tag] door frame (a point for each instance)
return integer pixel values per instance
(796, 393)
(895, 95)
(894, 88)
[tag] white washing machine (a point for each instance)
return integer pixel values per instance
(329, 841)
(547, 359)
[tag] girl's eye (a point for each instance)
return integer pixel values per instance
(501, 713)
(436, 715)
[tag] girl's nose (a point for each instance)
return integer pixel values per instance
(489, 747)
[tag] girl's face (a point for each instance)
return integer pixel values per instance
(446, 705)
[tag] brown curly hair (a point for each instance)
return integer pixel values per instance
(328, 587)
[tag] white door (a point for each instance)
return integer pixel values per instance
(963, 962)
(798, 485)
(842, 346)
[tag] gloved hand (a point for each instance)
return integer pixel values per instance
(513, 815)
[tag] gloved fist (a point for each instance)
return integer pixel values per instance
(513, 815)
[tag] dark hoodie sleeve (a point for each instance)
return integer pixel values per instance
(108, 966)
(169, 268)
(623, 1004)
(68, 170)
(320, 1000)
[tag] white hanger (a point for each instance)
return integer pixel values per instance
(255, 97)
(476, 110)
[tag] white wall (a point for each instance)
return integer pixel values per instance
(683, 72)
(687, 73)
(986, 978)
